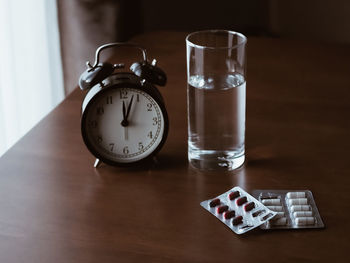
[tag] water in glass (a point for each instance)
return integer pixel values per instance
(216, 114)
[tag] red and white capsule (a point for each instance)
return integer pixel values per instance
(229, 214)
(233, 195)
(221, 209)
(249, 206)
(241, 200)
(214, 202)
(237, 220)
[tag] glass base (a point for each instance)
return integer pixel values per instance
(216, 160)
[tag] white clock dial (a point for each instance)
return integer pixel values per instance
(124, 125)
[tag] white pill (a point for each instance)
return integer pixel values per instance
(303, 221)
(294, 208)
(302, 214)
(276, 208)
(295, 195)
(279, 215)
(276, 201)
(298, 201)
(279, 222)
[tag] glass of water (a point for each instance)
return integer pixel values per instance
(216, 99)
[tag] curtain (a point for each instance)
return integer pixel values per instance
(31, 80)
(87, 24)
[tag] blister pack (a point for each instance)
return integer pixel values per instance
(296, 209)
(238, 210)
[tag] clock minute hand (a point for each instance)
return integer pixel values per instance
(129, 108)
(125, 122)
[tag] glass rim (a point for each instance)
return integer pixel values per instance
(190, 43)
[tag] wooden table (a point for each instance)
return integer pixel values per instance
(55, 207)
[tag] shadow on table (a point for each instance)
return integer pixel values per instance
(160, 162)
(167, 161)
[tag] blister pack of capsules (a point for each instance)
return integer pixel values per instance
(238, 210)
(296, 209)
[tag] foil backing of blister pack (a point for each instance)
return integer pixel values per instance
(238, 210)
(296, 209)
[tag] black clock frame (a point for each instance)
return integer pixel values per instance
(126, 80)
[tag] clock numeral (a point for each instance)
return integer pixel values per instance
(100, 110)
(99, 139)
(140, 146)
(111, 147)
(149, 106)
(150, 135)
(155, 120)
(137, 98)
(93, 124)
(126, 150)
(109, 100)
(123, 94)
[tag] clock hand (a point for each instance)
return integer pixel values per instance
(125, 133)
(124, 114)
(129, 107)
(124, 122)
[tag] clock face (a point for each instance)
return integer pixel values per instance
(123, 125)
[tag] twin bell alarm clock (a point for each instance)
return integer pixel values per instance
(124, 120)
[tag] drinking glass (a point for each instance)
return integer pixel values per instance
(216, 99)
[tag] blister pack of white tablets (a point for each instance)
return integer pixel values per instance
(296, 209)
(238, 210)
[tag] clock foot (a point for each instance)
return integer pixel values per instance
(97, 163)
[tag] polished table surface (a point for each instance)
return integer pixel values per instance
(55, 207)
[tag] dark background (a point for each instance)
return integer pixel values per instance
(87, 24)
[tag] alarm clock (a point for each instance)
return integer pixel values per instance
(124, 121)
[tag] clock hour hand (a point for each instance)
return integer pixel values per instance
(125, 122)
(124, 111)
